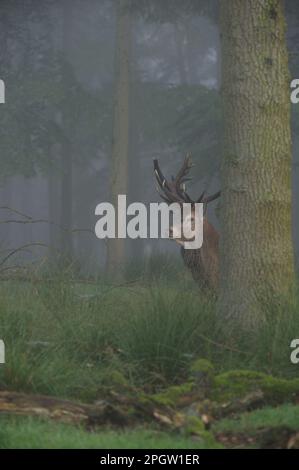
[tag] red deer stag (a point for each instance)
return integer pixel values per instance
(203, 262)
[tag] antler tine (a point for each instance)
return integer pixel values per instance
(159, 175)
(170, 195)
(201, 196)
(166, 199)
(173, 191)
(181, 176)
(185, 196)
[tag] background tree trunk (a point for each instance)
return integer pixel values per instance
(52, 207)
(257, 250)
(66, 214)
(66, 205)
(120, 142)
(178, 36)
(135, 186)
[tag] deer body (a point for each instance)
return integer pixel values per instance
(203, 262)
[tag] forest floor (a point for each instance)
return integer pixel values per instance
(140, 365)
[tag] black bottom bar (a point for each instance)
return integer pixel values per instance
(140, 458)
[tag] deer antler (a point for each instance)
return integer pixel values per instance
(174, 190)
(181, 177)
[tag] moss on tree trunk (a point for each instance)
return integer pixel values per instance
(256, 242)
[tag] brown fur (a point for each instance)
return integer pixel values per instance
(204, 262)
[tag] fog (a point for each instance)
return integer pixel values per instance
(58, 60)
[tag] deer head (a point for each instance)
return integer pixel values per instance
(203, 262)
(174, 192)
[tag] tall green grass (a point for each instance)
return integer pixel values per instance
(29, 433)
(74, 339)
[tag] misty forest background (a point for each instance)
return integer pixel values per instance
(58, 60)
(94, 92)
(58, 63)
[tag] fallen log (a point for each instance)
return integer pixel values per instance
(60, 410)
(119, 411)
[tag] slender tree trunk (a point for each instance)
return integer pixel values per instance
(120, 142)
(4, 37)
(6, 198)
(135, 248)
(66, 204)
(190, 60)
(296, 202)
(66, 150)
(51, 212)
(257, 250)
(6, 192)
(179, 48)
(219, 60)
(53, 200)
(135, 188)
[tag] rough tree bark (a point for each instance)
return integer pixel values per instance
(120, 140)
(257, 249)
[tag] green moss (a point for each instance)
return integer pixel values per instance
(202, 372)
(201, 378)
(286, 415)
(172, 395)
(194, 425)
(238, 383)
(202, 365)
(116, 378)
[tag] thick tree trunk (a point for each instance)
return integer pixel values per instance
(120, 142)
(257, 250)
